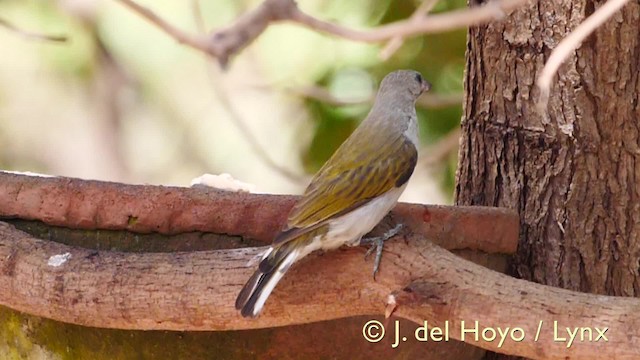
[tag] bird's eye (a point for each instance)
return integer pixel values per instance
(419, 78)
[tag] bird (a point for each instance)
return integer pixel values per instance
(352, 192)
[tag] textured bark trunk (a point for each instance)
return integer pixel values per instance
(573, 173)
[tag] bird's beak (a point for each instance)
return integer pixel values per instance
(425, 86)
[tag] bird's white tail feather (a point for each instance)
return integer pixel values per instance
(265, 286)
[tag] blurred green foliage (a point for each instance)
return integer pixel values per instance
(171, 127)
(162, 73)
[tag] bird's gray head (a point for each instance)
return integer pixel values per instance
(407, 85)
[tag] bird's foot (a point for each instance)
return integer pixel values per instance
(377, 243)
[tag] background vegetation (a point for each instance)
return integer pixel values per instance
(122, 101)
(119, 100)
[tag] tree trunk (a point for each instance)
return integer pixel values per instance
(571, 172)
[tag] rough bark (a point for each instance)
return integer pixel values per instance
(169, 219)
(30, 337)
(91, 205)
(195, 291)
(572, 172)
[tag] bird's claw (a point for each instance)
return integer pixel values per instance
(377, 244)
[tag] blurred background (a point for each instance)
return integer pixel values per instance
(120, 100)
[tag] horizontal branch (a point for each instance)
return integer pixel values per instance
(396, 42)
(32, 35)
(227, 42)
(196, 291)
(428, 100)
(456, 19)
(85, 204)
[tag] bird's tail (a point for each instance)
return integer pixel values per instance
(275, 262)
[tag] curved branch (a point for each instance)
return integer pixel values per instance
(196, 291)
(456, 19)
(85, 204)
(32, 35)
(227, 42)
(570, 43)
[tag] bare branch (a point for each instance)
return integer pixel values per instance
(90, 205)
(31, 35)
(196, 42)
(229, 41)
(394, 44)
(438, 151)
(197, 15)
(240, 124)
(437, 101)
(196, 291)
(323, 95)
(236, 118)
(225, 42)
(571, 43)
(429, 100)
(490, 11)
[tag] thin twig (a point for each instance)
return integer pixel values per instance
(323, 95)
(180, 36)
(571, 43)
(435, 153)
(438, 101)
(31, 35)
(246, 132)
(431, 101)
(235, 117)
(226, 42)
(491, 11)
(197, 15)
(394, 44)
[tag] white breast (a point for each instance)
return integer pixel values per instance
(412, 130)
(349, 228)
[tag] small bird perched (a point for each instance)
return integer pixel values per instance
(352, 192)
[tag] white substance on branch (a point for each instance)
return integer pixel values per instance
(223, 182)
(27, 173)
(57, 260)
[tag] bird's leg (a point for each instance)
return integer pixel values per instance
(377, 243)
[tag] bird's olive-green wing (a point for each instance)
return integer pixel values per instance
(358, 172)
